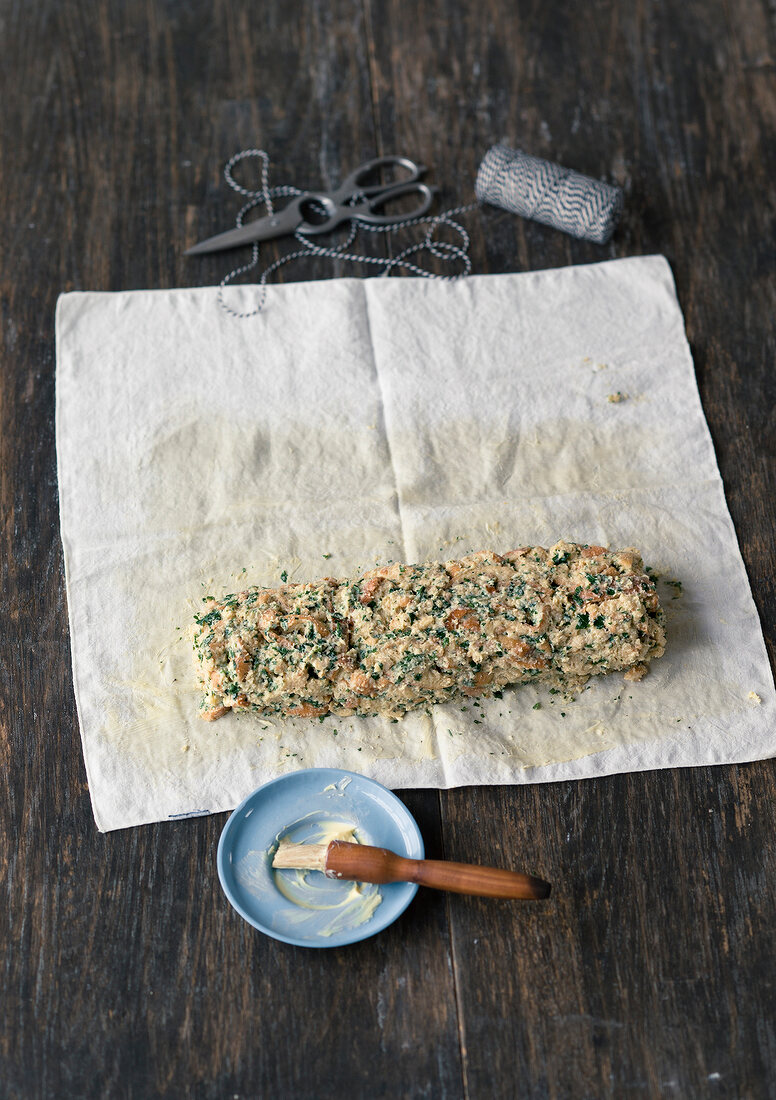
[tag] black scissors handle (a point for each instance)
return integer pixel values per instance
(357, 183)
(365, 211)
(356, 199)
(331, 213)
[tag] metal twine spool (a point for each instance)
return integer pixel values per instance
(548, 193)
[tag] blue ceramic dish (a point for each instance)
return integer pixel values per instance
(306, 908)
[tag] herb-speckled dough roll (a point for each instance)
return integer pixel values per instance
(405, 636)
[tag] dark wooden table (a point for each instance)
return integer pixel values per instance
(124, 972)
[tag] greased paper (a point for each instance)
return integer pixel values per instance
(358, 421)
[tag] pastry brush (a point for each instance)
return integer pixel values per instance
(363, 863)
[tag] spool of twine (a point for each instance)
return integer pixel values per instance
(548, 193)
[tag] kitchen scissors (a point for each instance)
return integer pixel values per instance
(315, 212)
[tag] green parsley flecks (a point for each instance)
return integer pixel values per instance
(404, 636)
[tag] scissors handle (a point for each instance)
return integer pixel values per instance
(357, 183)
(339, 206)
(365, 211)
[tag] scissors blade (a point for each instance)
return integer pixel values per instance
(262, 229)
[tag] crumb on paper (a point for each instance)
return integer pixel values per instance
(616, 398)
(754, 698)
(601, 366)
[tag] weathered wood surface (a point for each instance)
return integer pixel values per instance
(124, 973)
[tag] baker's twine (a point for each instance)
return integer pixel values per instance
(548, 193)
(444, 250)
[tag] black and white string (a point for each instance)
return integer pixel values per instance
(507, 178)
(549, 193)
(448, 251)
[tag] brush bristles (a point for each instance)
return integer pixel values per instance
(309, 857)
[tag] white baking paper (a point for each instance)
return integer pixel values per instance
(359, 421)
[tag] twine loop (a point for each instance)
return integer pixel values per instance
(447, 251)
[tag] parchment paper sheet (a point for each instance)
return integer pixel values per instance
(385, 419)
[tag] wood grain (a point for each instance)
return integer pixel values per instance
(640, 981)
(124, 972)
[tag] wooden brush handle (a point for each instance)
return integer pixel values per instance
(361, 862)
(468, 878)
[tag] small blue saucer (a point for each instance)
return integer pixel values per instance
(306, 908)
